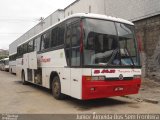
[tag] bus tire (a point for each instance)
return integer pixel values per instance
(56, 89)
(23, 78)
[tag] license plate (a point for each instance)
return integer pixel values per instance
(119, 89)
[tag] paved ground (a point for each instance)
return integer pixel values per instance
(17, 98)
(150, 90)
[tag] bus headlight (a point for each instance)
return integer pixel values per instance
(102, 78)
(95, 78)
(136, 76)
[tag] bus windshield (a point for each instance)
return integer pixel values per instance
(109, 43)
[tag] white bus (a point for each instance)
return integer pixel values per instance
(4, 64)
(12, 63)
(85, 56)
(1, 64)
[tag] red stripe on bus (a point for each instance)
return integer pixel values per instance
(104, 89)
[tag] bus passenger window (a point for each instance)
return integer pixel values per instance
(67, 44)
(76, 35)
(54, 37)
(45, 41)
(25, 48)
(68, 36)
(30, 46)
(75, 38)
(37, 44)
(61, 31)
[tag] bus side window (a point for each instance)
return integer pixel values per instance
(72, 44)
(67, 44)
(54, 38)
(37, 44)
(45, 39)
(17, 51)
(61, 30)
(25, 48)
(20, 51)
(68, 36)
(30, 46)
(76, 35)
(75, 42)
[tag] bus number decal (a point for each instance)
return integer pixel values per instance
(103, 71)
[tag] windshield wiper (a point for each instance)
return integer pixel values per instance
(114, 53)
(129, 55)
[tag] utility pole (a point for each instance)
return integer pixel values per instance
(41, 22)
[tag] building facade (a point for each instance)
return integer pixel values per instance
(132, 10)
(148, 30)
(85, 6)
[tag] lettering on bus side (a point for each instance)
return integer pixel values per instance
(45, 60)
(103, 71)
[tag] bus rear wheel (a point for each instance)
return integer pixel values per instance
(56, 89)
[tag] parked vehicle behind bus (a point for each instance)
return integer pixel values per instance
(12, 63)
(85, 56)
(4, 64)
(1, 64)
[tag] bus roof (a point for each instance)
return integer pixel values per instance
(6, 59)
(98, 16)
(87, 15)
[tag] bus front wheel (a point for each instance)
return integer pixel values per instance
(56, 89)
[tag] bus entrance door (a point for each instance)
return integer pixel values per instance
(33, 60)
